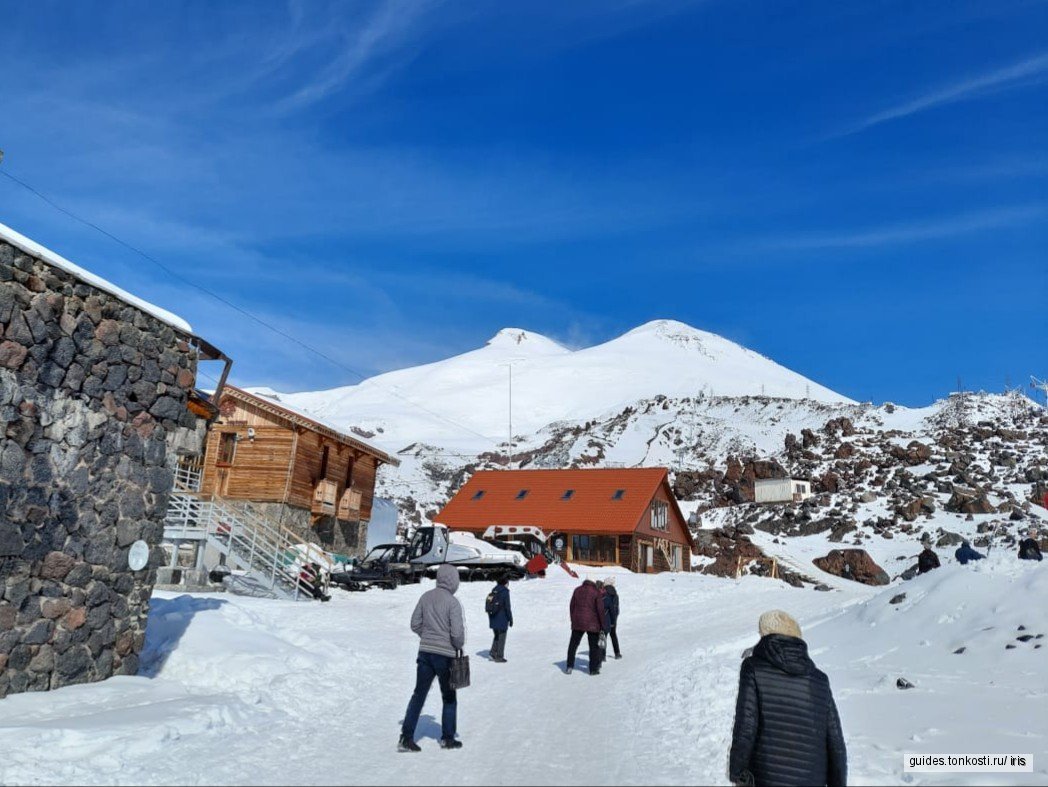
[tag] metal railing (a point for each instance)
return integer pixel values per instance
(251, 543)
(188, 475)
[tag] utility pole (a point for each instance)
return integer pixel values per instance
(509, 443)
(1040, 385)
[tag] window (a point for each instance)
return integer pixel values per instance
(568, 494)
(349, 472)
(522, 494)
(478, 494)
(323, 464)
(798, 488)
(227, 448)
(619, 494)
(593, 549)
(660, 519)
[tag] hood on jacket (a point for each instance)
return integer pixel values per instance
(448, 578)
(788, 654)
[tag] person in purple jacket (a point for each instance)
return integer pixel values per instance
(587, 617)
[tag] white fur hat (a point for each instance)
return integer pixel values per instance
(778, 622)
(609, 580)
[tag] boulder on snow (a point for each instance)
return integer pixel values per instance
(902, 683)
(964, 502)
(853, 564)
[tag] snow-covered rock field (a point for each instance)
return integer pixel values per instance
(237, 690)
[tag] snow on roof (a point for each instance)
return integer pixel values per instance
(58, 261)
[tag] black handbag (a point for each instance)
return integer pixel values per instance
(459, 678)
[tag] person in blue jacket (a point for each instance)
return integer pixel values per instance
(965, 553)
(500, 617)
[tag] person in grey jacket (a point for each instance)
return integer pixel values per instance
(437, 620)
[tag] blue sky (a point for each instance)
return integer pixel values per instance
(857, 190)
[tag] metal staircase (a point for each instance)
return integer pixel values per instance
(262, 550)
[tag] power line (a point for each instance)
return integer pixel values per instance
(174, 274)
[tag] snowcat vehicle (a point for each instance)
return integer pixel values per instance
(504, 549)
(386, 566)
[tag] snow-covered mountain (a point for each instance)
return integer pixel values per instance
(462, 402)
(664, 394)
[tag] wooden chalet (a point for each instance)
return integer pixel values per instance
(302, 473)
(625, 517)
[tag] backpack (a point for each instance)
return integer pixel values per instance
(493, 603)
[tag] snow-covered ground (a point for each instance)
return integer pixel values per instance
(239, 690)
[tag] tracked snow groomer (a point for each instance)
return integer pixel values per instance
(513, 550)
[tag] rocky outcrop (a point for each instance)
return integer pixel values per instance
(853, 564)
(968, 502)
(91, 391)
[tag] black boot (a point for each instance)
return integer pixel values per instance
(407, 744)
(450, 743)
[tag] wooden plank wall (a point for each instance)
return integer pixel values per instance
(261, 466)
(308, 460)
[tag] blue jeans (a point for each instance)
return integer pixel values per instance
(431, 665)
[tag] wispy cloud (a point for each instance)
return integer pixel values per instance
(897, 234)
(377, 44)
(1019, 74)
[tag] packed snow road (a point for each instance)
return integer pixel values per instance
(239, 690)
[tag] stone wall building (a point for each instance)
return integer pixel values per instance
(97, 399)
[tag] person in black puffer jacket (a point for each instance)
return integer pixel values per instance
(787, 731)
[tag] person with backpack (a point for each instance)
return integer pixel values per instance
(927, 560)
(1029, 549)
(500, 617)
(587, 617)
(786, 730)
(439, 624)
(965, 553)
(611, 613)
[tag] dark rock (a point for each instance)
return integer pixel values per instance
(898, 598)
(902, 683)
(960, 650)
(853, 564)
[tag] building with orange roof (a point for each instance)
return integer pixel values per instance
(608, 516)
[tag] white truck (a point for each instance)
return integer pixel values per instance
(502, 549)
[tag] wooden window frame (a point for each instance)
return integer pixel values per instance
(660, 515)
(224, 439)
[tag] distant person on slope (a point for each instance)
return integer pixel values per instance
(611, 613)
(1029, 549)
(500, 617)
(927, 560)
(437, 620)
(587, 617)
(965, 553)
(787, 730)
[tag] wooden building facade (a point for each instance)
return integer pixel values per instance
(598, 517)
(309, 476)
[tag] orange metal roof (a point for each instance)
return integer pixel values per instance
(592, 508)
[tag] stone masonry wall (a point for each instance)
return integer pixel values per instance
(334, 535)
(92, 390)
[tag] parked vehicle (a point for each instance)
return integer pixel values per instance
(386, 566)
(503, 549)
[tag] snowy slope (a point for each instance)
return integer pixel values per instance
(432, 403)
(240, 690)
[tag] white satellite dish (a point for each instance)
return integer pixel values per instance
(138, 555)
